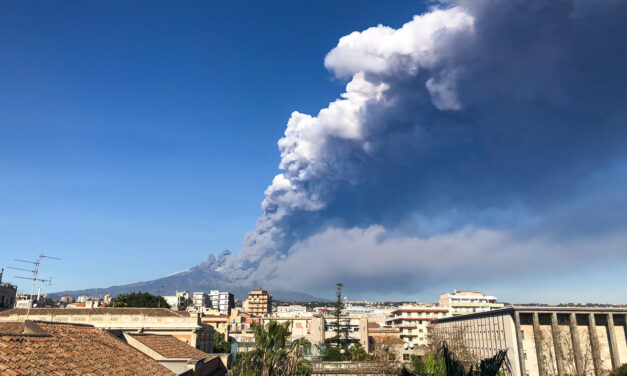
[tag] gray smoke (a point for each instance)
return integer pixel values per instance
(468, 134)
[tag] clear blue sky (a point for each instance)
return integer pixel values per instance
(137, 137)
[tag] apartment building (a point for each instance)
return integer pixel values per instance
(200, 300)
(222, 301)
(413, 321)
(464, 302)
(259, 302)
(544, 340)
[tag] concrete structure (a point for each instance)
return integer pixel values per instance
(219, 322)
(200, 300)
(8, 293)
(413, 321)
(66, 299)
(464, 302)
(176, 355)
(294, 310)
(222, 301)
(545, 340)
(182, 325)
(259, 303)
(177, 301)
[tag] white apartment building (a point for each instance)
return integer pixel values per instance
(465, 302)
(413, 321)
(222, 301)
(200, 300)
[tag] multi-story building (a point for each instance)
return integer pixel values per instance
(464, 302)
(544, 340)
(178, 301)
(8, 293)
(200, 300)
(413, 321)
(259, 302)
(66, 299)
(222, 301)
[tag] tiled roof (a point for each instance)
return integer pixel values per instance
(157, 312)
(11, 327)
(170, 346)
(73, 350)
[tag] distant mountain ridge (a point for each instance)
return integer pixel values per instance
(202, 277)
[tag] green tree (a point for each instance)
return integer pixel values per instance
(620, 371)
(357, 352)
(140, 300)
(220, 345)
(446, 363)
(273, 356)
(338, 325)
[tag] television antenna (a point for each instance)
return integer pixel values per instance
(34, 278)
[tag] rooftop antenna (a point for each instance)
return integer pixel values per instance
(34, 277)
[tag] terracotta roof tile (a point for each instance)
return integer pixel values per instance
(11, 327)
(170, 346)
(157, 312)
(71, 350)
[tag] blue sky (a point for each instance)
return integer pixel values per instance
(138, 137)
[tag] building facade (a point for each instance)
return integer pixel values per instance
(200, 300)
(413, 322)
(544, 340)
(222, 301)
(259, 303)
(161, 321)
(464, 302)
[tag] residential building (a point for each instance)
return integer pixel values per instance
(259, 302)
(176, 355)
(413, 321)
(8, 293)
(200, 300)
(106, 300)
(219, 322)
(44, 348)
(222, 301)
(182, 325)
(178, 301)
(464, 302)
(292, 310)
(66, 299)
(544, 340)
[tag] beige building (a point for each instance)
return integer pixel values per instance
(545, 340)
(259, 303)
(413, 322)
(464, 302)
(182, 325)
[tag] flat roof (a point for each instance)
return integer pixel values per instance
(540, 309)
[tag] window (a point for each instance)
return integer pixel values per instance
(420, 330)
(405, 356)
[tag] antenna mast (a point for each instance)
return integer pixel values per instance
(34, 277)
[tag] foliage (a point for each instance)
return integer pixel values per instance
(340, 330)
(219, 344)
(446, 363)
(139, 300)
(331, 354)
(620, 371)
(273, 355)
(357, 352)
(429, 364)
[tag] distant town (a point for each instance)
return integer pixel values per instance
(203, 332)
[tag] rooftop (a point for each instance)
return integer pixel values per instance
(169, 346)
(155, 312)
(67, 349)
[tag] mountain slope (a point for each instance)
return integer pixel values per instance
(202, 277)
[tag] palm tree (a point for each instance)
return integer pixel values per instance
(273, 355)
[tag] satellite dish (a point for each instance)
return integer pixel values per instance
(405, 346)
(411, 345)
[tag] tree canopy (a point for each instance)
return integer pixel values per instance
(139, 300)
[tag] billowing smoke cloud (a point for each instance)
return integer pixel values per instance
(466, 135)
